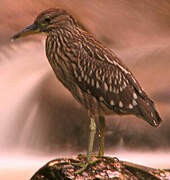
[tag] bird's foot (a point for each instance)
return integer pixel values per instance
(84, 165)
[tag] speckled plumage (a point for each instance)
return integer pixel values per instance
(91, 72)
(94, 74)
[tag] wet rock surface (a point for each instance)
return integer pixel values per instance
(101, 168)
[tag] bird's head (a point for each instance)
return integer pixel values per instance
(47, 21)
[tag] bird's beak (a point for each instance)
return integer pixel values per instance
(32, 29)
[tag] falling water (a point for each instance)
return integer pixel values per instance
(20, 79)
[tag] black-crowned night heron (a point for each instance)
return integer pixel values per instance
(93, 74)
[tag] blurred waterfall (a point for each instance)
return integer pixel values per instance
(20, 79)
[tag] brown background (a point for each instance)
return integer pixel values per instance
(35, 109)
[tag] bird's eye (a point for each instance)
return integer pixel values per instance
(47, 19)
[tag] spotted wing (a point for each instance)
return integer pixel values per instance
(103, 76)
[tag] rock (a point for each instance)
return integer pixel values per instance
(101, 168)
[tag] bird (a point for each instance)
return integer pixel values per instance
(96, 77)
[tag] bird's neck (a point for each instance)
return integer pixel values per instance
(61, 48)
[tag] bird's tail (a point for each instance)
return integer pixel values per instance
(148, 112)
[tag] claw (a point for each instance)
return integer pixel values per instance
(85, 166)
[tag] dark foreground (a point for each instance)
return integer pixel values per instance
(103, 168)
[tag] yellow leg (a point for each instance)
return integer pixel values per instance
(92, 127)
(101, 135)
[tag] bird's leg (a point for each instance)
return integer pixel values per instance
(101, 135)
(92, 127)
